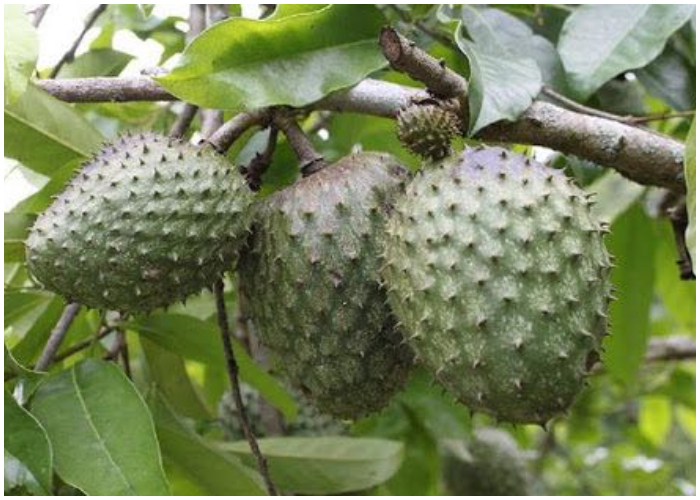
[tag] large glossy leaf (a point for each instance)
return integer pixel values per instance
(598, 42)
(26, 441)
(166, 371)
(101, 431)
(21, 48)
(325, 465)
(502, 83)
(45, 133)
(691, 195)
(200, 340)
(243, 63)
(632, 245)
(212, 470)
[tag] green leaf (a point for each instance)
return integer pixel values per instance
(166, 371)
(215, 472)
(26, 441)
(686, 417)
(199, 340)
(655, 419)
(615, 195)
(101, 62)
(671, 79)
(44, 133)
(33, 335)
(678, 296)
(40, 201)
(502, 84)
(633, 247)
(16, 227)
(243, 63)
(690, 187)
(325, 465)
(101, 431)
(21, 49)
(598, 42)
(287, 10)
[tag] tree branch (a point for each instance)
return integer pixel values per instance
(68, 56)
(39, 14)
(232, 368)
(670, 348)
(57, 336)
(640, 155)
(404, 56)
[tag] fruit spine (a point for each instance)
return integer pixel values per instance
(146, 222)
(497, 271)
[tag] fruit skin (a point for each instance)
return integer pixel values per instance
(492, 465)
(427, 128)
(146, 222)
(312, 279)
(497, 271)
(309, 421)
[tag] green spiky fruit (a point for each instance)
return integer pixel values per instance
(490, 464)
(427, 129)
(312, 278)
(497, 270)
(309, 422)
(146, 222)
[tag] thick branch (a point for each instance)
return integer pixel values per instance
(639, 155)
(57, 336)
(642, 156)
(310, 160)
(232, 368)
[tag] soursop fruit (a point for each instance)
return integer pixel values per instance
(146, 222)
(490, 464)
(427, 128)
(312, 278)
(497, 271)
(309, 422)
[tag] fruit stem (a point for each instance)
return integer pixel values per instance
(232, 369)
(310, 161)
(57, 336)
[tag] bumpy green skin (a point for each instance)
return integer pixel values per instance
(309, 421)
(497, 270)
(427, 129)
(312, 278)
(147, 222)
(495, 466)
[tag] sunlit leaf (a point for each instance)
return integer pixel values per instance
(21, 49)
(244, 63)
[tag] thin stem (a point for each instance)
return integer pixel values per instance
(39, 14)
(678, 216)
(660, 117)
(232, 369)
(57, 336)
(68, 56)
(261, 161)
(310, 160)
(580, 108)
(184, 120)
(80, 346)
